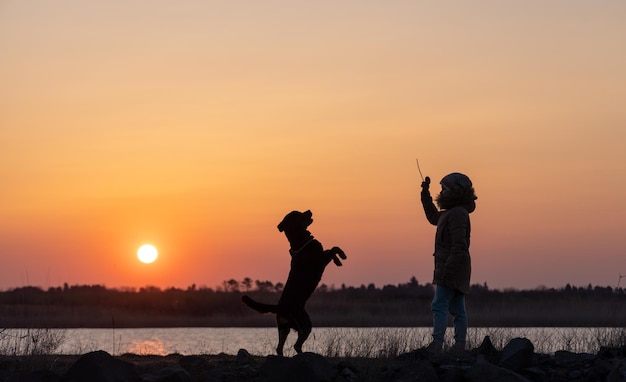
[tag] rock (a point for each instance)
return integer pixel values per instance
(567, 358)
(304, 367)
(9, 363)
(452, 375)
(517, 354)
(196, 366)
(348, 374)
(100, 366)
(612, 352)
(573, 366)
(190, 362)
(34, 376)
(489, 351)
(421, 353)
(537, 374)
(244, 358)
(415, 371)
(618, 373)
(600, 369)
(174, 373)
(608, 365)
(273, 363)
(483, 371)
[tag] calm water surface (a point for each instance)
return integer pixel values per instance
(347, 342)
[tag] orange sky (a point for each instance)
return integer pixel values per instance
(196, 126)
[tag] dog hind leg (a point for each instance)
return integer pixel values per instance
(304, 330)
(283, 331)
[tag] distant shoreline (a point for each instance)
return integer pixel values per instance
(402, 305)
(98, 318)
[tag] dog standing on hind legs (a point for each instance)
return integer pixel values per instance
(308, 261)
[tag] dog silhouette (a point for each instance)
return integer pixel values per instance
(308, 261)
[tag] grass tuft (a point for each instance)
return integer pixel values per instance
(30, 342)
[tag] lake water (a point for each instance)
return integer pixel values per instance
(369, 342)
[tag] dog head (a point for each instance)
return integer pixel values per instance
(296, 221)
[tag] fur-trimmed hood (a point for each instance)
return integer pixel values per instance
(449, 199)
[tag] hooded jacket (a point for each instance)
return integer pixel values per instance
(453, 266)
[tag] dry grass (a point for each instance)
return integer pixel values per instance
(391, 342)
(30, 342)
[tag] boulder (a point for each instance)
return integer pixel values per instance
(483, 371)
(173, 373)
(563, 358)
(612, 352)
(418, 354)
(304, 367)
(100, 366)
(487, 350)
(601, 369)
(415, 371)
(618, 373)
(33, 376)
(348, 374)
(196, 366)
(517, 354)
(452, 375)
(244, 358)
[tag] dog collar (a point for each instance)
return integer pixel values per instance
(293, 253)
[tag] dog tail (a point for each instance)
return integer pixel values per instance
(259, 307)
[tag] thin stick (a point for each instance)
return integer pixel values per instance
(419, 169)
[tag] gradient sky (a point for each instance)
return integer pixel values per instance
(197, 125)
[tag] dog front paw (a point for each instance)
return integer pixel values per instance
(337, 261)
(340, 252)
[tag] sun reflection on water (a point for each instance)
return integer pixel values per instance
(147, 347)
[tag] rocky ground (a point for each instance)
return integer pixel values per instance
(516, 362)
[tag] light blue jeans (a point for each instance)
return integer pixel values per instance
(448, 300)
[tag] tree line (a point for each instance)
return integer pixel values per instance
(403, 304)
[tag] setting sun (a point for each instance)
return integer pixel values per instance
(124, 138)
(147, 253)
